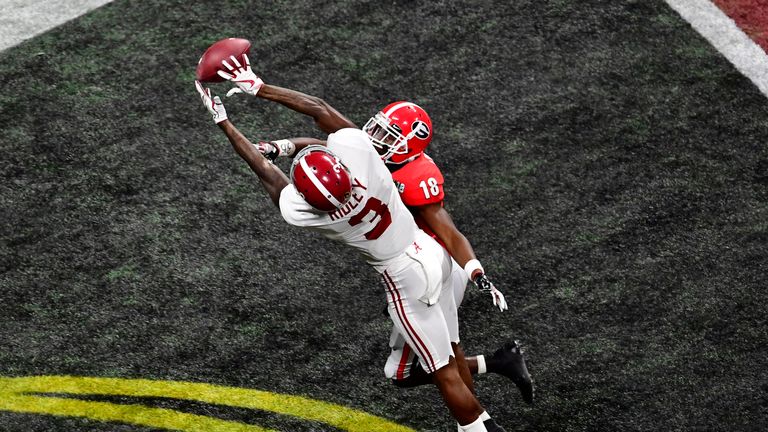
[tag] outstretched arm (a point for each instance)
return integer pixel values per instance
(270, 176)
(326, 117)
(286, 147)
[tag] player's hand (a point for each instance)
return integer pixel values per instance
(214, 105)
(241, 75)
(275, 149)
(485, 285)
(269, 150)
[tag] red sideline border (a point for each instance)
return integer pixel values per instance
(727, 37)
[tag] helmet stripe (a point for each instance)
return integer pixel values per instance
(397, 107)
(319, 185)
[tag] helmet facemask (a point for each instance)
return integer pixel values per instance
(400, 132)
(387, 137)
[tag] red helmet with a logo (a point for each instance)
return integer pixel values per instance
(321, 179)
(400, 132)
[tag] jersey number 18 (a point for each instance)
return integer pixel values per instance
(430, 188)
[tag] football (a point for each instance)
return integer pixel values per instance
(210, 62)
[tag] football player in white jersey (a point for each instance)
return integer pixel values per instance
(410, 126)
(345, 192)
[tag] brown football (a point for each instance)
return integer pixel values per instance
(210, 62)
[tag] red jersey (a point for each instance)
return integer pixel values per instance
(419, 183)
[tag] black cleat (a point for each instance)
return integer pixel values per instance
(510, 362)
(491, 426)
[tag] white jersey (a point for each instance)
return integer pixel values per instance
(374, 220)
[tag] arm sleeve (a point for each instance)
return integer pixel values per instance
(295, 210)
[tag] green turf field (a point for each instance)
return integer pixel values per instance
(608, 165)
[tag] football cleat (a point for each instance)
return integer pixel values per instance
(492, 426)
(510, 362)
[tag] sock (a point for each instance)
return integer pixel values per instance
(477, 425)
(481, 366)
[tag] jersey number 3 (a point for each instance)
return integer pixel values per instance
(379, 209)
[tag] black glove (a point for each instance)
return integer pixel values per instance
(485, 285)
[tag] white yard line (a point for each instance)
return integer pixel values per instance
(23, 19)
(727, 38)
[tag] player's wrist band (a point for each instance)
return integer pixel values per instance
(287, 147)
(472, 266)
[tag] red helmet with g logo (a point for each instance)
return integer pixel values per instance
(400, 132)
(321, 179)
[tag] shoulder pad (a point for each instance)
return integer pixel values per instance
(349, 137)
(419, 182)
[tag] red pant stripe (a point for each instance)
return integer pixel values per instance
(420, 345)
(403, 361)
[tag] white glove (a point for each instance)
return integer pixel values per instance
(485, 285)
(242, 76)
(269, 150)
(214, 105)
(275, 149)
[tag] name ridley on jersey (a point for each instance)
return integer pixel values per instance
(374, 220)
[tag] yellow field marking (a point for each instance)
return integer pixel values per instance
(18, 395)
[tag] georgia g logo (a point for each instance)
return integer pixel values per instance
(420, 129)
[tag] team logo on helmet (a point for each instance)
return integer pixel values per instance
(420, 129)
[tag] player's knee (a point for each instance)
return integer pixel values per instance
(457, 351)
(448, 374)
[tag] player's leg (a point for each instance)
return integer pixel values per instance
(457, 396)
(464, 407)
(425, 329)
(405, 371)
(449, 303)
(461, 362)
(507, 360)
(459, 281)
(402, 365)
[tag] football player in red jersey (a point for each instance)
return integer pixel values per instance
(401, 132)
